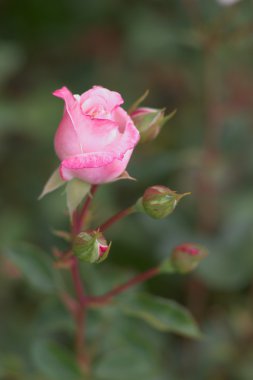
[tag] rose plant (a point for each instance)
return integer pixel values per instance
(94, 142)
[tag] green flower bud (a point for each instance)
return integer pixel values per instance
(187, 256)
(149, 122)
(91, 247)
(159, 201)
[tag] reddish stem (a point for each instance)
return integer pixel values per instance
(78, 218)
(105, 298)
(77, 279)
(70, 303)
(80, 308)
(80, 312)
(115, 218)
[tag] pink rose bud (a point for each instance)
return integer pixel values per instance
(91, 247)
(96, 137)
(186, 257)
(149, 122)
(159, 201)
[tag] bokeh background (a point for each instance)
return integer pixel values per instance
(194, 56)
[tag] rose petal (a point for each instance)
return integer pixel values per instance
(94, 167)
(66, 95)
(66, 141)
(127, 142)
(71, 104)
(100, 99)
(90, 134)
(88, 160)
(129, 136)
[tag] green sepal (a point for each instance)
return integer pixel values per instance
(54, 182)
(124, 175)
(150, 125)
(138, 102)
(168, 117)
(87, 247)
(167, 267)
(138, 207)
(76, 190)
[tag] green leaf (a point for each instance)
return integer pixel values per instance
(54, 361)
(52, 184)
(124, 363)
(76, 190)
(162, 314)
(230, 265)
(121, 340)
(34, 264)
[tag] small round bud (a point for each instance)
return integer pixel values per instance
(91, 247)
(186, 257)
(149, 122)
(160, 201)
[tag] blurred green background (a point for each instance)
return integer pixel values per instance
(193, 55)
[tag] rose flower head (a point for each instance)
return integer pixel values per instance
(96, 137)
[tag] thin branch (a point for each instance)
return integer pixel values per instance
(78, 218)
(106, 298)
(115, 218)
(80, 314)
(77, 279)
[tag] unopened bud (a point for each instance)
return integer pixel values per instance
(149, 122)
(91, 247)
(159, 201)
(186, 257)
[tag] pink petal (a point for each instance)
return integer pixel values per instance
(143, 111)
(109, 100)
(66, 141)
(129, 136)
(88, 160)
(67, 137)
(94, 168)
(71, 104)
(66, 95)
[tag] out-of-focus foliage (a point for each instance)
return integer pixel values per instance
(194, 56)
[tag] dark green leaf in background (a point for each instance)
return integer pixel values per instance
(162, 314)
(35, 265)
(124, 363)
(55, 362)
